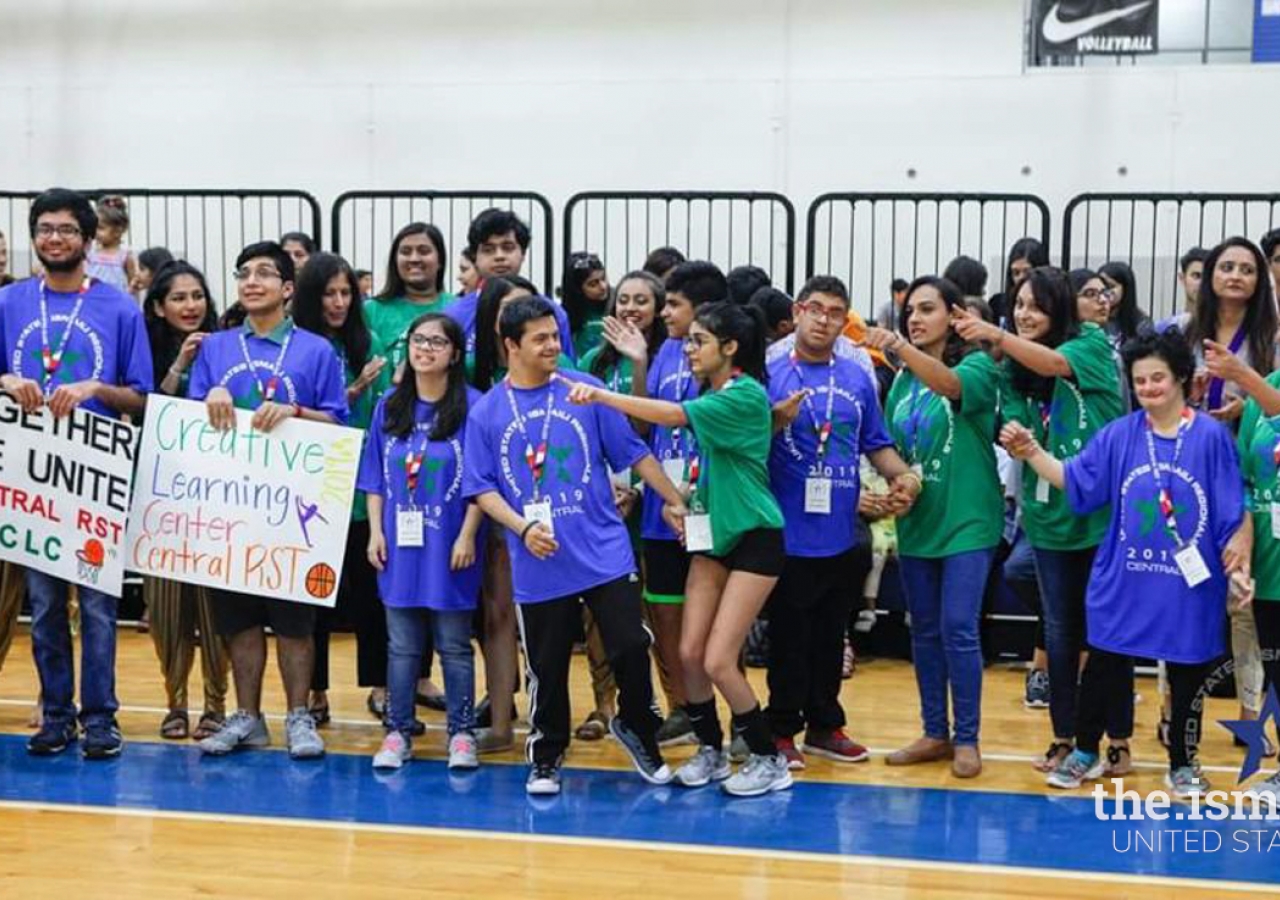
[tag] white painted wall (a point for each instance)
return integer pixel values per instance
(797, 96)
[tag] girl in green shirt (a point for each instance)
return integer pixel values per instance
(733, 530)
(585, 294)
(1060, 381)
(941, 413)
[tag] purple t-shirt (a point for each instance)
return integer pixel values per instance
(463, 311)
(1138, 602)
(309, 372)
(582, 442)
(420, 576)
(108, 340)
(857, 427)
(669, 378)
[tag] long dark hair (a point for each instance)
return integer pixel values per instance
(1260, 313)
(609, 357)
(308, 306)
(577, 269)
(1032, 251)
(165, 340)
(393, 284)
(956, 348)
(1127, 318)
(451, 412)
(1055, 295)
(492, 290)
(745, 324)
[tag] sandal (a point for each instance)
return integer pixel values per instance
(1119, 761)
(593, 729)
(1057, 752)
(377, 708)
(209, 725)
(176, 726)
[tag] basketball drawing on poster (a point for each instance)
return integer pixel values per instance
(256, 513)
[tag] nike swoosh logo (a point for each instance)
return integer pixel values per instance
(1057, 31)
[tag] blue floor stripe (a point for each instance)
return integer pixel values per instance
(1007, 829)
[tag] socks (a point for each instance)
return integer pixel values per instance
(754, 728)
(706, 724)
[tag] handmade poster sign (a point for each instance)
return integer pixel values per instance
(261, 514)
(64, 493)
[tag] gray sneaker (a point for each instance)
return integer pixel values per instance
(677, 729)
(738, 749)
(300, 733)
(1186, 782)
(463, 751)
(1268, 792)
(759, 775)
(240, 730)
(707, 765)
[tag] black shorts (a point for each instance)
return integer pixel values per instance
(234, 613)
(666, 569)
(760, 551)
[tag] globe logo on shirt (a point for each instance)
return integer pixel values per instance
(560, 455)
(29, 347)
(842, 430)
(1146, 505)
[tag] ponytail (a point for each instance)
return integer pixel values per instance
(743, 324)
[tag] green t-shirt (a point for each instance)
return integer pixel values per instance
(590, 335)
(1258, 441)
(616, 378)
(1079, 407)
(388, 321)
(961, 503)
(734, 428)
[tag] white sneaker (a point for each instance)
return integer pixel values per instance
(705, 766)
(463, 753)
(300, 733)
(759, 775)
(240, 730)
(394, 752)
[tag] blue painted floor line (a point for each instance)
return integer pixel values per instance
(919, 824)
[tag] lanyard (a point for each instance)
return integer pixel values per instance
(821, 428)
(1217, 385)
(413, 457)
(269, 392)
(677, 431)
(535, 458)
(915, 418)
(51, 359)
(1164, 494)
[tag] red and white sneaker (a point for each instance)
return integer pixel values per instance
(836, 745)
(787, 747)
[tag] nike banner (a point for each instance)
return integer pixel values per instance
(1065, 28)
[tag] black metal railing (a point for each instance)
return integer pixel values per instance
(206, 227)
(1151, 231)
(365, 222)
(869, 239)
(726, 227)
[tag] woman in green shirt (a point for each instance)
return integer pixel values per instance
(1060, 381)
(327, 303)
(733, 531)
(585, 295)
(941, 412)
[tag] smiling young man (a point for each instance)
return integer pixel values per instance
(280, 372)
(70, 341)
(539, 467)
(498, 241)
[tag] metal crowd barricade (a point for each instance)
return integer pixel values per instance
(726, 227)
(1151, 231)
(206, 227)
(869, 239)
(365, 222)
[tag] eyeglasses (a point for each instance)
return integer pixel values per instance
(62, 231)
(823, 314)
(1097, 293)
(430, 341)
(263, 274)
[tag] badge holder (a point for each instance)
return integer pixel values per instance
(410, 531)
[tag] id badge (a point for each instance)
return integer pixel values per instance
(1042, 490)
(621, 478)
(409, 528)
(817, 496)
(697, 533)
(674, 470)
(1191, 565)
(540, 512)
(918, 469)
(1275, 520)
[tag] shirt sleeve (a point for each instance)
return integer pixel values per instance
(1092, 367)
(1244, 443)
(202, 380)
(135, 352)
(622, 446)
(369, 477)
(331, 391)
(1228, 488)
(719, 417)
(874, 435)
(1088, 473)
(480, 460)
(566, 335)
(978, 384)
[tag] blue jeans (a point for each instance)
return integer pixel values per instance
(944, 597)
(1064, 578)
(51, 646)
(406, 642)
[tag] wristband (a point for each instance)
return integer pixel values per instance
(297, 411)
(527, 529)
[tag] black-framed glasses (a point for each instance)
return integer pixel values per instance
(259, 274)
(62, 231)
(430, 341)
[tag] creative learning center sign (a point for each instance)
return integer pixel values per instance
(258, 513)
(64, 493)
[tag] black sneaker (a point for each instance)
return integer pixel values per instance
(543, 779)
(102, 741)
(52, 739)
(644, 752)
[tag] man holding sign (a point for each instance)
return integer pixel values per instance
(69, 341)
(280, 372)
